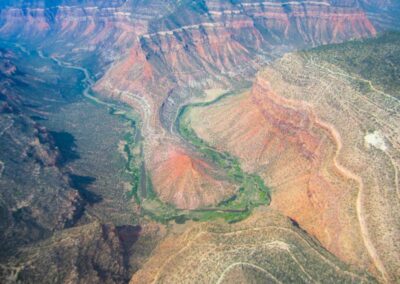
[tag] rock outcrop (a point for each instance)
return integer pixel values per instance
(210, 43)
(91, 253)
(327, 147)
(290, 129)
(29, 172)
(266, 248)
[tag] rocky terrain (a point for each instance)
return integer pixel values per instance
(91, 253)
(265, 248)
(207, 45)
(324, 139)
(29, 173)
(45, 192)
(207, 112)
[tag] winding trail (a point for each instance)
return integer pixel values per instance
(369, 82)
(334, 134)
(146, 107)
(360, 197)
(395, 100)
(272, 244)
(230, 267)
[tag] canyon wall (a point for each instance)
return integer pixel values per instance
(327, 145)
(209, 44)
(159, 55)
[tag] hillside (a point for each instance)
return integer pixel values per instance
(206, 141)
(324, 137)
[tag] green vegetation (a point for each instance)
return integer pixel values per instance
(142, 191)
(252, 190)
(133, 169)
(376, 60)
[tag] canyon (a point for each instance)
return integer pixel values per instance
(211, 110)
(318, 162)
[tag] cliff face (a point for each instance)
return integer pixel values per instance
(42, 19)
(287, 145)
(190, 41)
(383, 13)
(211, 41)
(94, 33)
(160, 49)
(325, 140)
(158, 55)
(208, 44)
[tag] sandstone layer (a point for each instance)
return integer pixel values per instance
(163, 51)
(324, 139)
(207, 44)
(328, 149)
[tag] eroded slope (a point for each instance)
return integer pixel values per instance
(326, 142)
(267, 247)
(207, 44)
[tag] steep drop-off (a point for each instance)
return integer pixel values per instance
(323, 136)
(52, 180)
(326, 142)
(164, 53)
(210, 44)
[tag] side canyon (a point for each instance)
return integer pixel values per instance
(207, 141)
